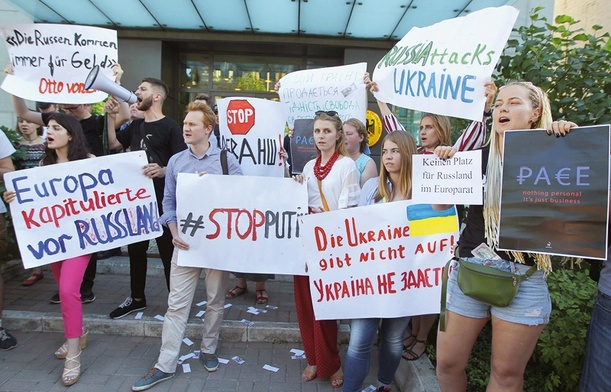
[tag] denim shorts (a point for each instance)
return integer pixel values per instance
(531, 306)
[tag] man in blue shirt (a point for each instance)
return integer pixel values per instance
(200, 157)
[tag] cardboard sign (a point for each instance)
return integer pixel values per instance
(555, 192)
(340, 89)
(81, 207)
(454, 181)
(252, 130)
(442, 68)
(384, 260)
(244, 224)
(51, 61)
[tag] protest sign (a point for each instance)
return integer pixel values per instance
(302, 144)
(340, 89)
(81, 207)
(457, 180)
(383, 260)
(555, 192)
(52, 61)
(252, 130)
(442, 68)
(244, 224)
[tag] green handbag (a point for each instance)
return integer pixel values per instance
(485, 284)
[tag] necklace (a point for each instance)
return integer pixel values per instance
(321, 172)
(28, 141)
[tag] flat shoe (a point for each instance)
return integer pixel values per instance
(337, 380)
(235, 292)
(262, 297)
(409, 341)
(409, 353)
(30, 280)
(308, 375)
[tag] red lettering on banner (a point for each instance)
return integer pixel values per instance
(420, 278)
(335, 262)
(386, 283)
(435, 246)
(344, 289)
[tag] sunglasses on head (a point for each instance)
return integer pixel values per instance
(328, 113)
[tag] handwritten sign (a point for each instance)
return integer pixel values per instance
(244, 224)
(383, 260)
(555, 192)
(340, 89)
(457, 180)
(442, 68)
(71, 209)
(52, 61)
(252, 129)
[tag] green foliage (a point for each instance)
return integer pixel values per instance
(97, 109)
(572, 66)
(557, 360)
(249, 82)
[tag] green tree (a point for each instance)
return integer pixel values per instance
(572, 66)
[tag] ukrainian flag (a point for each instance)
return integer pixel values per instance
(423, 220)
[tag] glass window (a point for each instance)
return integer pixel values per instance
(195, 72)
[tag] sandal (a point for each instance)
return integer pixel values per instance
(308, 375)
(409, 353)
(337, 380)
(409, 341)
(71, 376)
(235, 292)
(30, 280)
(62, 352)
(262, 297)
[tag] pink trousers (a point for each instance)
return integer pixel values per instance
(69, 276)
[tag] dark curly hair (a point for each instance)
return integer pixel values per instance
(77, 147)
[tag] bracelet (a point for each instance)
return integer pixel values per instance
(488, 113)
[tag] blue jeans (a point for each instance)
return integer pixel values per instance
(596, 372)
(358, 359)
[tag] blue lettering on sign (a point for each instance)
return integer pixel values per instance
(440, 86)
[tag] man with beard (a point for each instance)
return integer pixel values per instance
(161, 137)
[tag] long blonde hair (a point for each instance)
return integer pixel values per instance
(407, 148)
(539, 100)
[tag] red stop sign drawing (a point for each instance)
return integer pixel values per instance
(240, 116)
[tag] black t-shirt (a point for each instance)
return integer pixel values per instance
(474, 233)
(164, 138)
(93, 129)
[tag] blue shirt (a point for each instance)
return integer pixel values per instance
(187, 162)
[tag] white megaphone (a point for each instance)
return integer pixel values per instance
(100, 81)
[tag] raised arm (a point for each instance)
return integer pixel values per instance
(112, 108)
(391, 123)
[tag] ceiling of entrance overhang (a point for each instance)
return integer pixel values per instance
(365, 19)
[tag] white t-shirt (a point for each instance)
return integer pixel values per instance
(340, 187)
(6, 150)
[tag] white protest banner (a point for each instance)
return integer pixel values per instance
(457, 180)
(253, 129)
(81, 207)
(383, 260)
(52, 61)
(243, 224)
(442, 68)
(340, 89)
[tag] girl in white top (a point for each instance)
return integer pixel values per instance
(332, 182)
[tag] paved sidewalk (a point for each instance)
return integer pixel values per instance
(121, 351)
